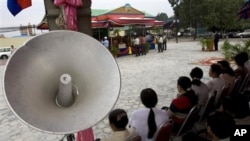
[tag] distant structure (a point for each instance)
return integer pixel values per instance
(30, 31)
(2, 36)
(26, 30)
(23, 30)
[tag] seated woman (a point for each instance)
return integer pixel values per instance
(240, 61)
(118, 121)
(227, 73)
(180, 106)
(216, 84)
(147, 120)
(200, 88)
(237, 106)
(219, 127)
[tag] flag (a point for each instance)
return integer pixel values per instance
(16, 6)
(244, 12)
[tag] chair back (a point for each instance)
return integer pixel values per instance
(164, 131)
(220, 96)
(209, 106)
(189, 121)
(239, 84)
(136, 138)
(244, 82)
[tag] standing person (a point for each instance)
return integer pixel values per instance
(216, 40)
(12, 49)
(164, 45)
(137, 46)
(118, 121)
(105, 42)
(143, 45)
(160, 49)
(147, 120)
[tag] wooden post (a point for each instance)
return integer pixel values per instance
(83, 16)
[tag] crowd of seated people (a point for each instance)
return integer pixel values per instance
(232, 109)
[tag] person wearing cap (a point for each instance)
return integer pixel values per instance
(105, 42)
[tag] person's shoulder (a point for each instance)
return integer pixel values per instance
(140, 111)
(179, 99)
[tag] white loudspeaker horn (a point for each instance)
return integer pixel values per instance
(61, 82)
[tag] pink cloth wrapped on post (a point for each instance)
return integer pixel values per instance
(70, 11)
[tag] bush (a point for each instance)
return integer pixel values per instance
(230, 50)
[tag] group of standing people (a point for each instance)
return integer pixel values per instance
(145, 122)
(161, 42)
(140, 45)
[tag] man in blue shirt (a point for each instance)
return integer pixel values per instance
(105, 42)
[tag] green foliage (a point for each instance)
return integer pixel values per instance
(206, 42)
(203, 42)
(220, 15)
(161, 17)
(230, 50)
(116, 32)
(114, 51)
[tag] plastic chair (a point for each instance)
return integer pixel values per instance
(209, 106)
(244, 83)
(164, 131)
(136, 138)
(189, 121)
(239, 84)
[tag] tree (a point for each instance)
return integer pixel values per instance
(214, 15)
(161, 17)
(222, 15)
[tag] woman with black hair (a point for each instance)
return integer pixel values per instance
(240, 60)
(185, 101)
(216, 84)
(118, 121)
(147, 120)
(227, 73)
(199, 87)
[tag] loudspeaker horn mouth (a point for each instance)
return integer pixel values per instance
(32, 82)
(67, 92)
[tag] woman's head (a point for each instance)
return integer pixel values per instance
(196, 74)
(241, 58)
(184, 83)
(224, 64)
(225, 67)
(215, 70)
(149, 98)
(118, 119)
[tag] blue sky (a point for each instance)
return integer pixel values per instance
(35, 13)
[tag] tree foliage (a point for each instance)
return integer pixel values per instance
(161, 17)
(214, 15)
